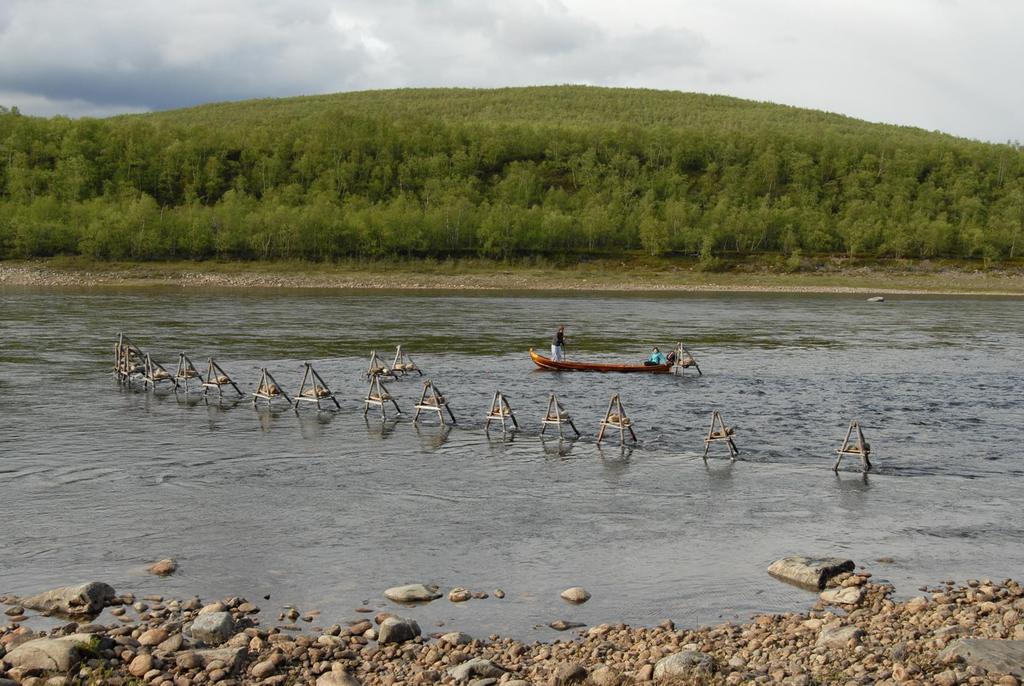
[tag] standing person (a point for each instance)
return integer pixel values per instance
(557, 345)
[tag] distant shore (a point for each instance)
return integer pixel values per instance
(70, 273)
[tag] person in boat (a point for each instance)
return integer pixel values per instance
(558, 345)
(656, 359)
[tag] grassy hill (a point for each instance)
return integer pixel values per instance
(560, 170)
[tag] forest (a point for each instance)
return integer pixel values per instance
(561, 171)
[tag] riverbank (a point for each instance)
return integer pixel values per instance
(854, 634)
(899, 279)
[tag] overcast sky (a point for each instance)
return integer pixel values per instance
(938, 64)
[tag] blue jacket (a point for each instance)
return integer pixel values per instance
(658, 358)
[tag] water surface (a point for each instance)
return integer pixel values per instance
(326, 510)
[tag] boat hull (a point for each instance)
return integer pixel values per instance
(568, 366)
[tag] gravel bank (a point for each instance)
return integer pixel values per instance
(946, 283)
(868, 639)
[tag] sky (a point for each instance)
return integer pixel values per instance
(946, 65)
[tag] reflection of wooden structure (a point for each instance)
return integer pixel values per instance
(378, 367)
(378, 396)
(155, 373)
(432, 400)
(500, 411)
(316, 390)
(185, 372)
(615, 417)
(129, 360)
(722, 433)
(268, 389)
(855, 446)
(684, 359)
(218, 378)
(556, 415)
(403, 364)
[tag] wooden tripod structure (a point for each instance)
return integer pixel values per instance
(217, 378)
(155, 373)
(722, 433)
(316, 391)
(615, 417)
(432, 400)
(403, 364)
(855, 446)
(185, 372)
(377, 395)
(500, 411)
(684, 359)
(378, 367)
(268, 389)
(557, 415)
(129, 360)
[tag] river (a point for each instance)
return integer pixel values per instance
(325, 510)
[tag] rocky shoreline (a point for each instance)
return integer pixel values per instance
(854, 634)
(946, 283)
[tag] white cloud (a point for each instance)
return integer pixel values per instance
(938, 64)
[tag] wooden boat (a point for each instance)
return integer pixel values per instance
(567, 366)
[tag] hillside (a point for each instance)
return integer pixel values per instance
(503, 173)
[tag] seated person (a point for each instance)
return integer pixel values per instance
(656, 359)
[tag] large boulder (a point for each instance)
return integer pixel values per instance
(809, 572)
(397, 630)
(47, 654)
(992, 655)
(684, 664)
(85, 599)
(213, 628)
(412, 593)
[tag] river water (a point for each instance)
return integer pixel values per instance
(324, 511)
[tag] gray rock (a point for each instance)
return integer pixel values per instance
(490, 681)
(397, 630)
(563, 625)
(213, 628)
(809, 572)
(86, 599)
(231, 658)
(412, 593)
(337, 677)
(605, 676)
(171, 645)
(456, 638)
(848, 595)
(477, 667)
(839, 636)
(8, 682)
(684, 664)
(47, 654)
(572, 673)
(576, 594)
(992, 655)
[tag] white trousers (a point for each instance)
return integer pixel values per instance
(556, 353)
